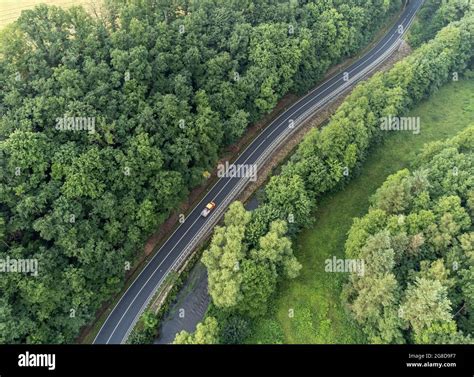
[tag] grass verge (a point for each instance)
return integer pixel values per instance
(309, 309)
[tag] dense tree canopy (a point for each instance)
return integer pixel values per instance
(435, 14)
(328, 158)
(242, 276)
(108, 122)
(417, 245)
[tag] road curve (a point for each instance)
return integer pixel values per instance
(122, 318)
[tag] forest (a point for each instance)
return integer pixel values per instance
(325, 161)
(434, 15)
(165, 86)
(418, 244)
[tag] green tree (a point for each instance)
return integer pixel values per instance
(206, 333)
(426, 302)
(416, 244)
(224, 257)
(258, 283)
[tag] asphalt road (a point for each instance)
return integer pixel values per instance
(121, 320)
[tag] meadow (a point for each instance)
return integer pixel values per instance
(308, 309)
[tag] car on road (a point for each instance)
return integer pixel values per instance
(209, 207)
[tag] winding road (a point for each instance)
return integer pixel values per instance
(125, 314)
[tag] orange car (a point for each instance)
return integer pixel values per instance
(209, 207)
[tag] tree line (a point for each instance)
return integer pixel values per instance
(164, 86)
(433, 16)
(417, 244)
(326, 159)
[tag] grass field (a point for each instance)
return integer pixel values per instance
(10, 10)
(308, 309)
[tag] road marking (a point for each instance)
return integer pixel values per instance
(367, 56)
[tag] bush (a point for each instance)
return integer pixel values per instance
(234, 330)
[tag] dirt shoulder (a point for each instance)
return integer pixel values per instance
(316, 121)
(193, 297)
(230, 154)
